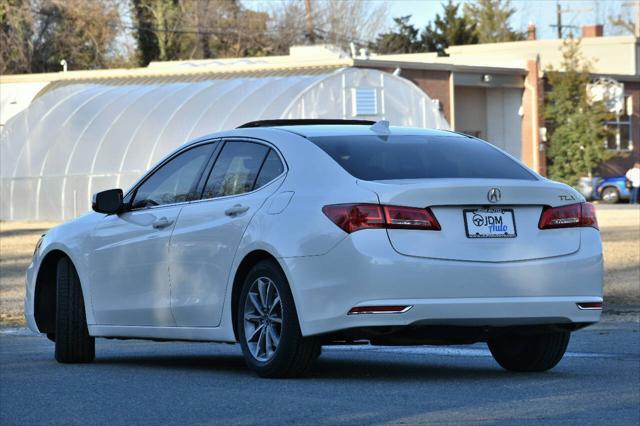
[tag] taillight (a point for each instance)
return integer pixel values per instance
(354, 217)
(589, 305)
(379, 309)
(410, 218)
(573, 215)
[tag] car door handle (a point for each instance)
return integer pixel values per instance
(236, 210)
(163, 222)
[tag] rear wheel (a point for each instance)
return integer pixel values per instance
(268, 327)
(73, 343)
(539, 352)
(610, 195)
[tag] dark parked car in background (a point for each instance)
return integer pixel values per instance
(611, 190)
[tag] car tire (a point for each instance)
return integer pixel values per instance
(293, 354)
(538, 352)
(73, 343)
(610, 195)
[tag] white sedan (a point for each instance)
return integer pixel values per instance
(288, 235)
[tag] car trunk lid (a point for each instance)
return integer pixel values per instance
(448, 199)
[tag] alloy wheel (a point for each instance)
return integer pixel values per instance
(263, 319)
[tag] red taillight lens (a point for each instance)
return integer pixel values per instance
(573, 215)
(354, 217)
(589, 215)
(410, 218)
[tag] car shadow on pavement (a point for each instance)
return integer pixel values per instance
(328, 368)
(213, 363)
(406, 370)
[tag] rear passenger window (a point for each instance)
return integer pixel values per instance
(271, 169)
(235, 170)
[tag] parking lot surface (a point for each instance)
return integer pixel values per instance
(139, 382)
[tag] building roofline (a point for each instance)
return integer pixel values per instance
(132, 73)
(394, 63)
(467, 48)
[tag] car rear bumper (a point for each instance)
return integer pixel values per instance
(364, 270)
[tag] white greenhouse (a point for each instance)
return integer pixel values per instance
(78, 137)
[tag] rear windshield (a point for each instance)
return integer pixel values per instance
(419, 157)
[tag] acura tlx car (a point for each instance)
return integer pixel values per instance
(287, 235)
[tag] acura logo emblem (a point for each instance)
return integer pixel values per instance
(494, 195)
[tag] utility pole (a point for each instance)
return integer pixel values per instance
(637, 29)
(559, 19)
(559, 11)
(309, 17)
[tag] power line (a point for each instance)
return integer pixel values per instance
(560, 11)
(318, 33)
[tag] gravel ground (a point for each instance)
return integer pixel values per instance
(17, 241)
(620, 227)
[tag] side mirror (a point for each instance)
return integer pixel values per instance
(109, 201)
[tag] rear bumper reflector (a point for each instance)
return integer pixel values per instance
(589, 305)
(379, 309)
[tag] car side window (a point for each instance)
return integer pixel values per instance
(174, 182)
(271, 168)
(235, 170)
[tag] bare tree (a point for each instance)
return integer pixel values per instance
(83, 33)
(196, 29)
(16, 31)
(342, 22)
(623, 22)
(288, 25)
(336, 22)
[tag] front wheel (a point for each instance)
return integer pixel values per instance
(268, 327)
(73, 343)
(538, 352)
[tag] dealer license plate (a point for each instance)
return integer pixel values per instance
(490, 223)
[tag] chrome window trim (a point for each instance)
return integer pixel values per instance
(225, 197)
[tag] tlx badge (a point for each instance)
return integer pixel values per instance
(494, 195)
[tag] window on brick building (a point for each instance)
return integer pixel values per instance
(620, 138)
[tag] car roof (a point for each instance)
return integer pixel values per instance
(312, 130)
(359, 130)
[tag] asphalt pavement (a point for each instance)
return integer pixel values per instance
(140, 382)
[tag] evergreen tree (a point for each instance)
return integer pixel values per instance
(448, 30)
(160, 33)
(491, 18)
(148, 49)
(404, 39)
(575, 126)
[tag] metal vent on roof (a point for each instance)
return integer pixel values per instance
(365, 102)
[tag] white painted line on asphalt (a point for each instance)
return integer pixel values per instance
(17, 331)
(447, 351)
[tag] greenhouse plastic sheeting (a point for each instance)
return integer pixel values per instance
(82, 137)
